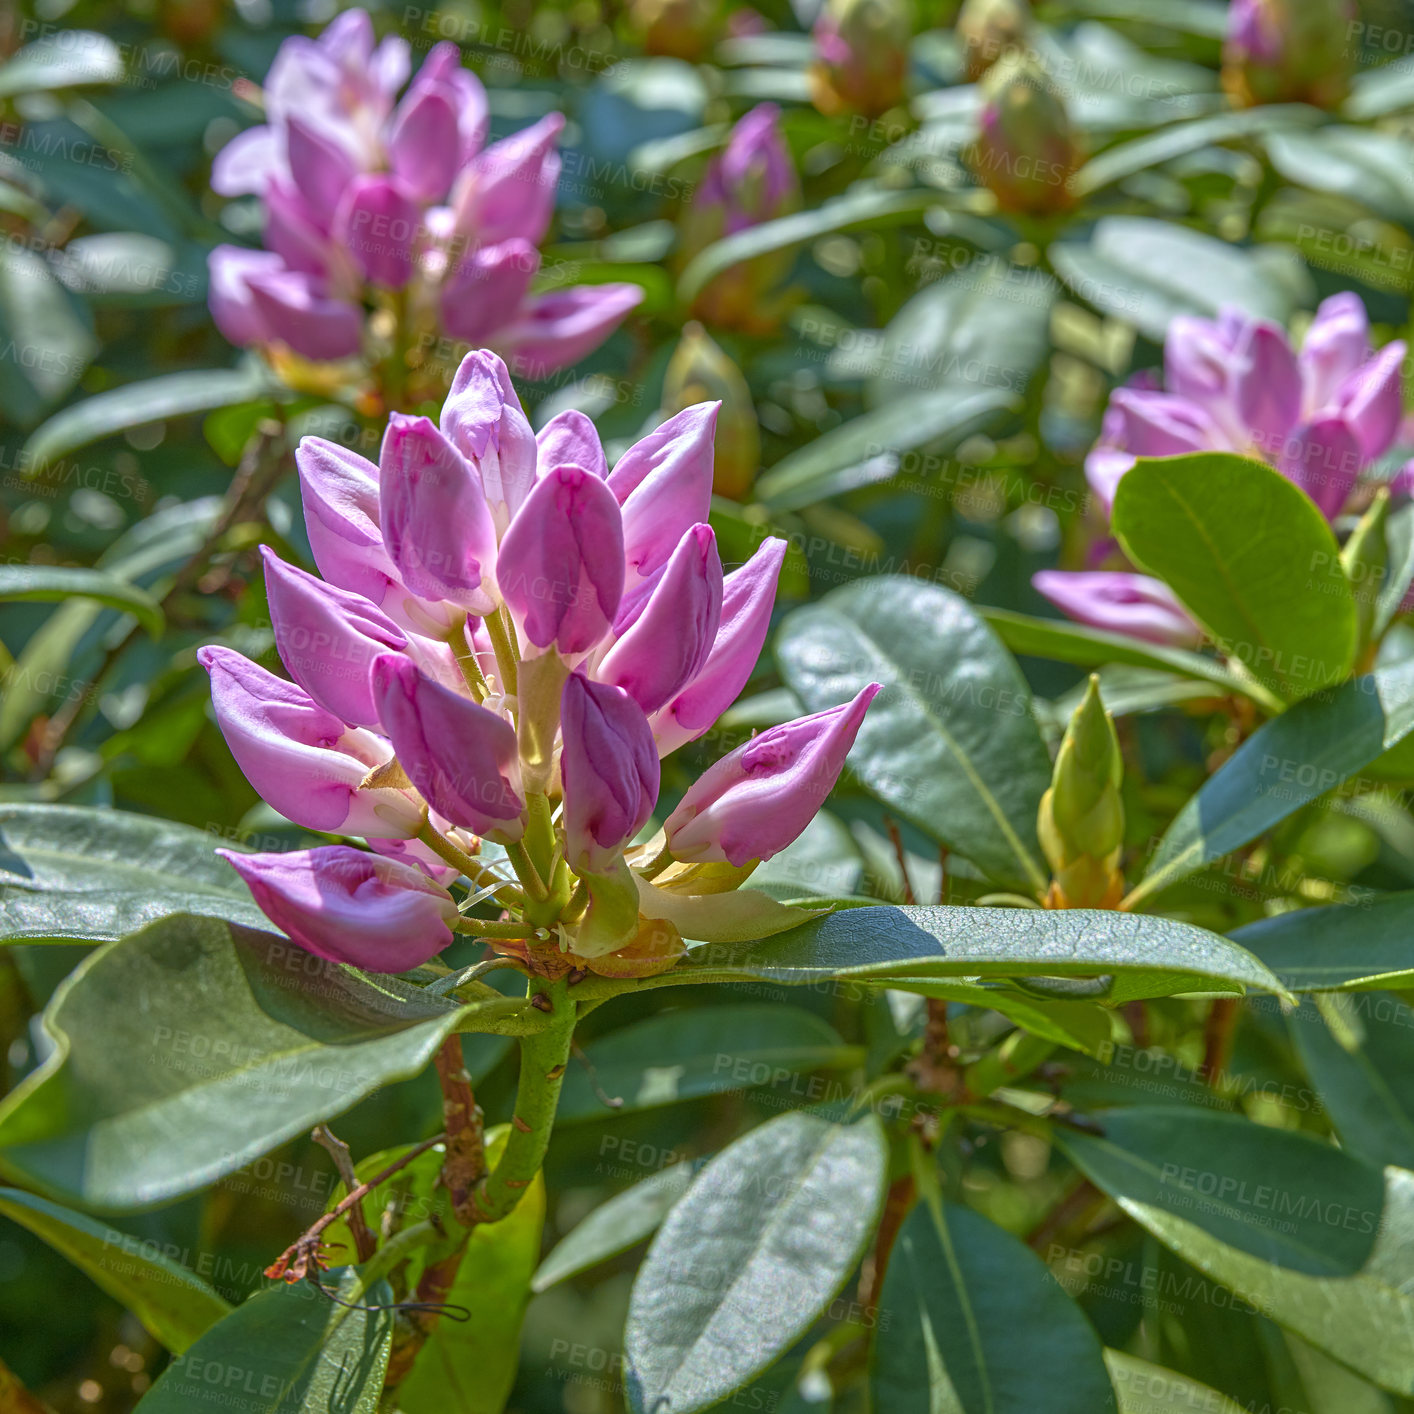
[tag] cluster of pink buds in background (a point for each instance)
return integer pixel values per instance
(1321, 416)
(506, 638)
(369, 198)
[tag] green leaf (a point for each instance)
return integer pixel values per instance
(749, 1257)
(1124, 159)
(1339, 948)
(287, 1350)
(1142, 1388)
(469, 1366)
(1311, 1237)
(1131, 955)
(950, 743)
(46, 340)
(866, 205)
(1359, 1052)
(866, 449)
(77, 56)
(1371, 169)
(681, 1055)
(1083, 1026)
(1140, 269)
(615, 1226)
(1093, 648)
(175, 1305)
(1275, 1194)
(978, 1325)
(1253, 560)
(133, 404)
(76, 873)
(1399, 575)
(51, 582)
(1286, 764)
(231, 1041)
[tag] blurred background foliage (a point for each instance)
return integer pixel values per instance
(925, 365)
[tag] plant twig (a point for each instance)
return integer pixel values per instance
(902, 854)
(465, 1163)
(364, 1241)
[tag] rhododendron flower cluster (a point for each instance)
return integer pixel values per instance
(369, 197)
(1321, 416)
(506, 638)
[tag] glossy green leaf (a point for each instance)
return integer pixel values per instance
(133, 404)
(46, 340)
(1286, 764)
(977, 1325)
(867, 449)
(1093, 648)
(615, 1226)
(287, 1350)
(231, 1042)
(1359, 1052)
(172, 1302)
(55, 582)
(75, 873)
(680, 1055)
(67, 60)
(1142, 1388)
(1253, 560)
(1140, 269)
(1369, 168)
(1315, 1239)
(1083, 1026)
(866, 205)
(950, 743)
(470, 1365)
(749, 1258)
(1127, 955)
(1338, 948)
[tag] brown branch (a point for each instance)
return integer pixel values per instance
(465, 1163)
(892, 826)
(294, 1263)
(1218, 1033)
(364, 1241)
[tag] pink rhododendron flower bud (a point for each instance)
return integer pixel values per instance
(561, 566)
(1370, 399)
(861, 55)
(460, 756)
(424, 146)
(747, 598)
(666, 626)
(1289, 51)
(1026, 150)
(483, 419)
(509, 190)
(571, 439)
(559, 327)
(339, 491)
(1121, 602)
(300, 757)
(328, 639)
(1266, 384)
(349, 906)
(435, 520)
(230, 269)
(664, 484)
(377, 223)
(296, 309)
(752, 180)
(1336, 344)
(320, 166)
(486, 288)
(754, 802)
(609, 767)
(1324, 459)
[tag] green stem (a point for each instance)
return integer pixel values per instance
(481, 928)
(465, 655)
(543, 849)
(474, 870)
(657, 864)
(503, 639)
(396, 1249)
(543, 1058)
(526, 872)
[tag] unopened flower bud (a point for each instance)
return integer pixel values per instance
(681, 29)
(861, 56)
(991, 30)
(1288, 51)
(700, 371)
(1025, 151)
(1081, 820)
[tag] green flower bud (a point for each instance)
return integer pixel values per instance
(861, 56)
(1025, 151)
(1365, 560)
(1288, 51)
(699, 371)
(1081, 820)
(991, 30)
